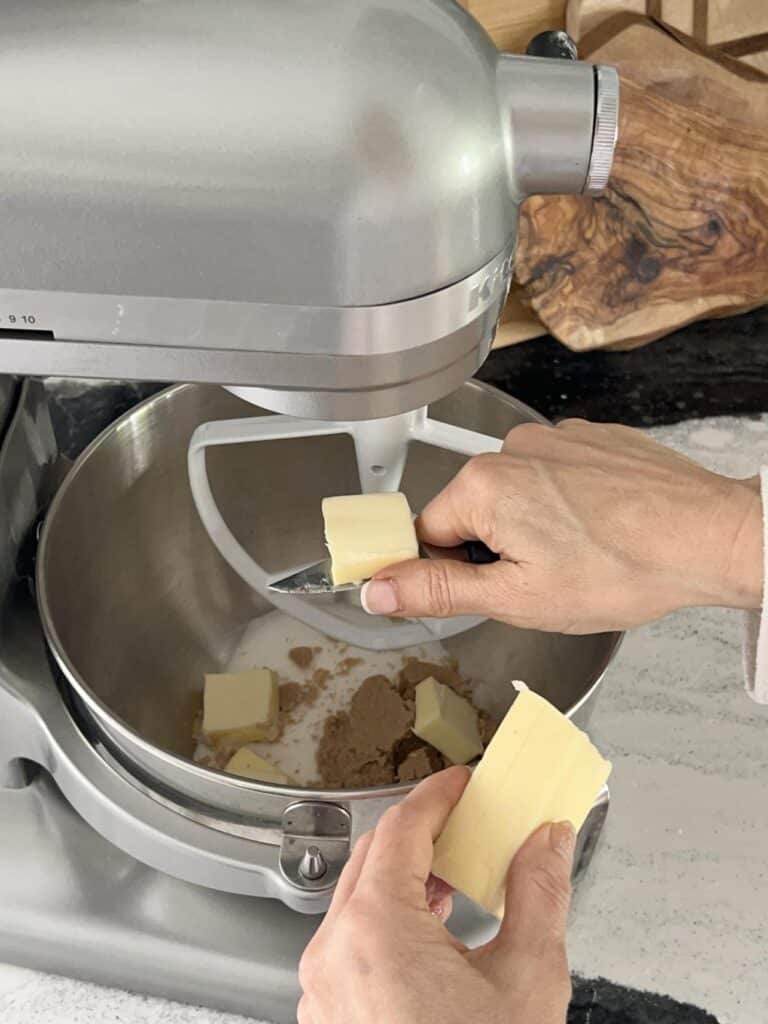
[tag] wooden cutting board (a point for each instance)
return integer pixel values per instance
(682, 231)
(513, 23)
(738, 28)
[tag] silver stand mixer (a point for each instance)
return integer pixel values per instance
(315, 207)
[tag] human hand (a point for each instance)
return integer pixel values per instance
(383, 953)
(598, 528)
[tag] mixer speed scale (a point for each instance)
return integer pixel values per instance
(337, 258)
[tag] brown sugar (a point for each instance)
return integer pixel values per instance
(356, 748)
(289, 695)
(378, 716)
(415, 767)
(488, 727)
(293, 696)
(309, 693)
(410, 744)
(302, 657)
(415, 671)
(406, 745)
(320, 677)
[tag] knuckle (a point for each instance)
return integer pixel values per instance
(553, 885)
(564, 978)
(478, 472)
(394, 820)
(484, 480)
(354, 922)
(559, 981)
(438, 595)
(309, 968)
(475, 471)
(361, 917)
(303, 1012)
(525, 435)
(551, 974)
(390, 818)
(513, 598)
(364, 841)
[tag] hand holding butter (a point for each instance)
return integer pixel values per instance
(408, 966)
(365, 533)
(539, 768)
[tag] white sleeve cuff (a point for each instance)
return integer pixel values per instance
(756, 639)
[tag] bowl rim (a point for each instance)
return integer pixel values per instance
(106, 718)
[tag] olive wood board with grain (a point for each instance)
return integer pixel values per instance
(681, 233)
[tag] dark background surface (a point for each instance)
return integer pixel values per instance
(601, 1002)
(712, 368)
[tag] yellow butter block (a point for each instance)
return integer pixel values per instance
(240, 707)
(248, 764)
(539, 768)
(447, 721)
(367, 532)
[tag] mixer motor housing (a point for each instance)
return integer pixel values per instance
(315, 204)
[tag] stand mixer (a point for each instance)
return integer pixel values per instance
(322, 218)
(314, 206)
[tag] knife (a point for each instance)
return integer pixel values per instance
(317, 579)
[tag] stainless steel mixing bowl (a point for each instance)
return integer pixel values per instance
(137, 605)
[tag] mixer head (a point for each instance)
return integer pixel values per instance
(315, 204)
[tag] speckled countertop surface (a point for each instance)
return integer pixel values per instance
(677, 901)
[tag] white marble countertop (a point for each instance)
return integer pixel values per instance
(676, 900)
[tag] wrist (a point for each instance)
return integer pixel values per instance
(744, 559)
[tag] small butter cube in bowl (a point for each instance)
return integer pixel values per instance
(447, 721)
(240, 707)
(249, 765)
(366, 533)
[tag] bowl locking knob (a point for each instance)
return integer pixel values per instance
(312, 865)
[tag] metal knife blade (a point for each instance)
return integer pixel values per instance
(318, 579)
(315, 579)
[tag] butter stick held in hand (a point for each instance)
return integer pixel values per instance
(538, 768)
(367, 532)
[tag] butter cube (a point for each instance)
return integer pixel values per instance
(240, 707)
(248, 764)
(367, 532)
(538, 768)
(447, 721)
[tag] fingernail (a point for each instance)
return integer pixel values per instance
(380, 597)
(562, 838)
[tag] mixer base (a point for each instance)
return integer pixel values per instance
(72, 903)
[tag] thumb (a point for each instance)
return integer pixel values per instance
(538, 896)
(436, 589)
(528, 956)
